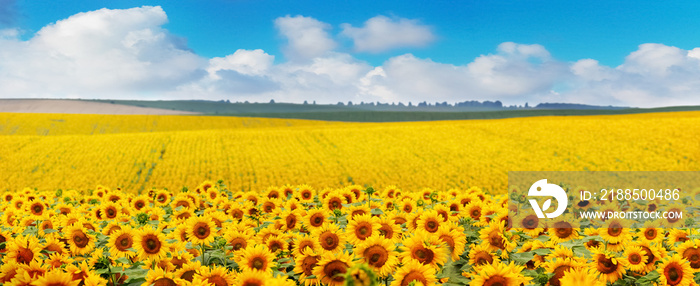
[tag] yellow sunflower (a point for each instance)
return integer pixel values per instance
(654, 252)
(389, 229)
(216, 275)
(79, 240)
(690, 250)
(56, 277)
(150, 244)
(379, 253)
(201, 230)
(424, 248)
(674, 270)
(414, 271)
(304, 264)
(253, 278)
(558, 266)
(333, 201)
(158, 276)
(292, 219)
(429, 221)
(636, 257)
(479, 255)
(607, 265)
(453, 235)
(613, 232)
(256, 257)
(120, 243)
(237, 238)
(580, 276)
(315, 218)
(651, 233)
(361, 227)
(306, 194)
(331, 268)
(330, 237)
(8, 270)
(494, 236)
(500, 274)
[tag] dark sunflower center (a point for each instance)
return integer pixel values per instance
(635, 258)
(335, 269)
(673, 274)
(308, 265)
(257, 263)
(413, 276)
(432, 226)
(80, 239)
(496, 280)
(164, 282)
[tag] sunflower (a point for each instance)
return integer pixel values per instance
(479, 255)
(331, 268)
(379, 253)
(361, 227)
(676, 235)
(453, 235)
(330, 237)
(607, 265)
(201, 230)
(357, 192)
(120, 243)
(654, 252)
(253, 278)
(333, 201)
(443, 211)
(237, 238)
(188, 270)
(79, 240)
(406, 206)
(500, 274)
(110, 210)
(690, 250)
(651, 233)
(473, 210)
(305, 194)
(494, 236)
(54, 244)
(216, 275)
(304, 264)
(557, 267)
(158, 276)
(256, 257)
(563, 229)
(389, 229)
(414, 271)
(8, 271)
(613, 232)
(270, 206)
(181, 215)
(162, 198)
(277, 245)
(292, 219)
(55, 277)
(150, 244)
(429, 221)
(580, 276)
(636, 258)
(424, 248)
(674, 270)
(36, 208)
(529, 223)
(315, 218)
(5, 237)
(56, 260)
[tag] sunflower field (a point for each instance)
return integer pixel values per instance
(190, 200)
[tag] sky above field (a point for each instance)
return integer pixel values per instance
(593, 52)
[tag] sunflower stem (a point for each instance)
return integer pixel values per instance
(202, 245)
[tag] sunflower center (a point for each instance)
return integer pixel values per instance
(306, 194)
(275, 245)
(257, 263)
(475, 214)
(386, 231)
(164, 282)
(317, 220)
(692, 255)
(38, 208)
(377, 255)
(335, 269)
(335, 203)
(238, 243)
(139, 205)
(583, 204)
(188, 275)
(635, 258)
(649, 254)
(558, 274)
(362, 231)
(650, 234)
(407, 208)
(605, 265)
(203, 230)
(424, 255)
(431, 226)
(111, 213)
(564, 232)
(496, 280)
(308, 265)
(496, 240)
(291, 221)
(124, 242)
(80, 239)
(674, 275)
(413, 276)
(530, 222)
(25, 256)
(329, 240)
(151, 244)
(450, 242)
(217, 280)
(615, 231)
(482, 258)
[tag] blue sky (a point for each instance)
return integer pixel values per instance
(595, 52)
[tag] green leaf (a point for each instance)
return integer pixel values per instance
(650, 278)
(523, 257)
(48, 230)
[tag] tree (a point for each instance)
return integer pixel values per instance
(272, 101)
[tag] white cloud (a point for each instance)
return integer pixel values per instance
(255, 62)
(307, 37)
(381, 33)
(103, 53)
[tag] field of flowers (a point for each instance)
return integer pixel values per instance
(136, 153)
(103, 200)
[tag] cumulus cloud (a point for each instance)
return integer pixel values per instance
(382, 33)
(307, 38)
(100, 53)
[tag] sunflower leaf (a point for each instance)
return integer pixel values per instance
(523, 257)
(648, 279)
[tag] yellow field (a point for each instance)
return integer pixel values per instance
(52, 151)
